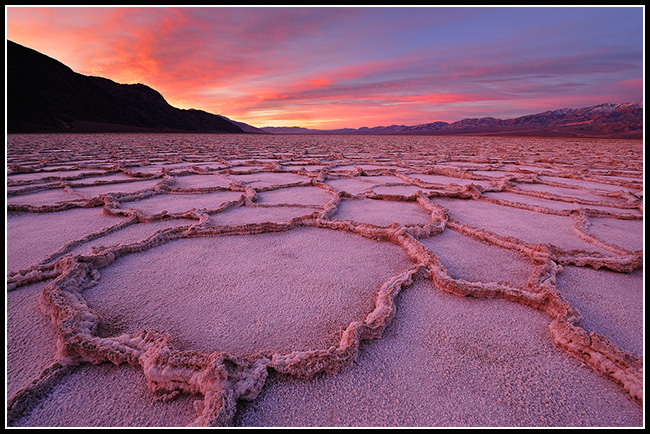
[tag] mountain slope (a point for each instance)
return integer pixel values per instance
(44, 95)
(623, 120)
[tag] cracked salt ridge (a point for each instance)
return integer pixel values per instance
(611, 303)
(81, 400)
(382, 213)
(449, 361)
(469, 259)
(599, 352)
(122, 188)
(587, 196)
(44, 198)
(180, 203)
(350, 186)
(310, 196)
(625, 233)
(201, 181)
(445, 180)
(245, 215)
(131, 234)
(514, 198)
(33, 237)
(591, 184)
(528, 226)
(271, 179)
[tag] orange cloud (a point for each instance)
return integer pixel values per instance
(319, 82)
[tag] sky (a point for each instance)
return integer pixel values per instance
(350, 67)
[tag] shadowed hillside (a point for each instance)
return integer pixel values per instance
(44, 95)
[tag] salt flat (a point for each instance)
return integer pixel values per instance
(261, 280)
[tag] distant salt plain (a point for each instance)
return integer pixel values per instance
(287, 280)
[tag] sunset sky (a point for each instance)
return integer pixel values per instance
(335, 67)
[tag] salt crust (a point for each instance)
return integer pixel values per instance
(448, 361)
(221, 378)
(277, 291)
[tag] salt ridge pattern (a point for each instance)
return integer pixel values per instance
(48, 174)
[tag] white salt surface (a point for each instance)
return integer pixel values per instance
(250, 293)
(291, 305)
(382, 213)
(295, 195)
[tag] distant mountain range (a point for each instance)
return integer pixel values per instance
(44, 95)
(624, 120)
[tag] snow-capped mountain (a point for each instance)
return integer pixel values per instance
(602, 120)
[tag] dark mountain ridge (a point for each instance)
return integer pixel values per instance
(44, 95)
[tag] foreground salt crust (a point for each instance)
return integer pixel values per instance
(448, 361)
(208, 263)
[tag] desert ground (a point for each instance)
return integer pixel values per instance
(295, 280)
